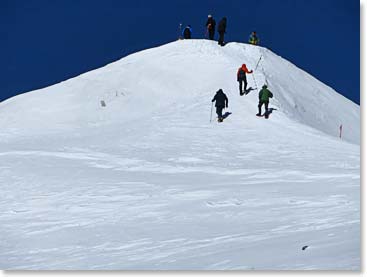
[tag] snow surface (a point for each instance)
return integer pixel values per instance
(148, 182)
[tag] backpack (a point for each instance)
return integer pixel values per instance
(242, 74)
(187, 33)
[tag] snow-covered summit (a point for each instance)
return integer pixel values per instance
(177, 76)
(148, 182)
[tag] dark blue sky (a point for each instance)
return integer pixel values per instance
(44, 42)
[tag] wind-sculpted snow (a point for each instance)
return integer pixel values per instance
(148, 182)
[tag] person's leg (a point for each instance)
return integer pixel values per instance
(259, 106)
(245, 85)
(240, 83)
(221, 39)
(266, 109)
(211, 34)
(220, 112)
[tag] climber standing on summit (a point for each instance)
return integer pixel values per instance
(222, 26)
(221, 102)
(187, 32)
(253, 39)
(210, 26)
(241, 78)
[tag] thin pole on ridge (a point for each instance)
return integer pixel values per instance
(266, 80)
(258, 62)
(180, 31)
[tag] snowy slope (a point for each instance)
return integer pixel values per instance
(147, 182)
(177, 72)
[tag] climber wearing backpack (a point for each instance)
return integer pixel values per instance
(241, 78)
(187, 32)
(264, 96)
(210, 26)
(221, 102)
(222, 26)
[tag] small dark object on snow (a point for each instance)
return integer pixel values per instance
(103, 103)
(305, 247)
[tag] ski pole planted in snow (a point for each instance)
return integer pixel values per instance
(340, 131)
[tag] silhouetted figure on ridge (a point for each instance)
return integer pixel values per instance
(210, 26)
(187, 32)
(253, 38)
(222, 26)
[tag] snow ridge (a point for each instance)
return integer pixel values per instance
(148, 182)
(157, 78)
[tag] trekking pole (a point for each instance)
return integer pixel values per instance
(211, 112)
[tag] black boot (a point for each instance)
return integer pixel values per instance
(259, 113)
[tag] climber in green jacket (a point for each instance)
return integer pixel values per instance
(264, 96)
